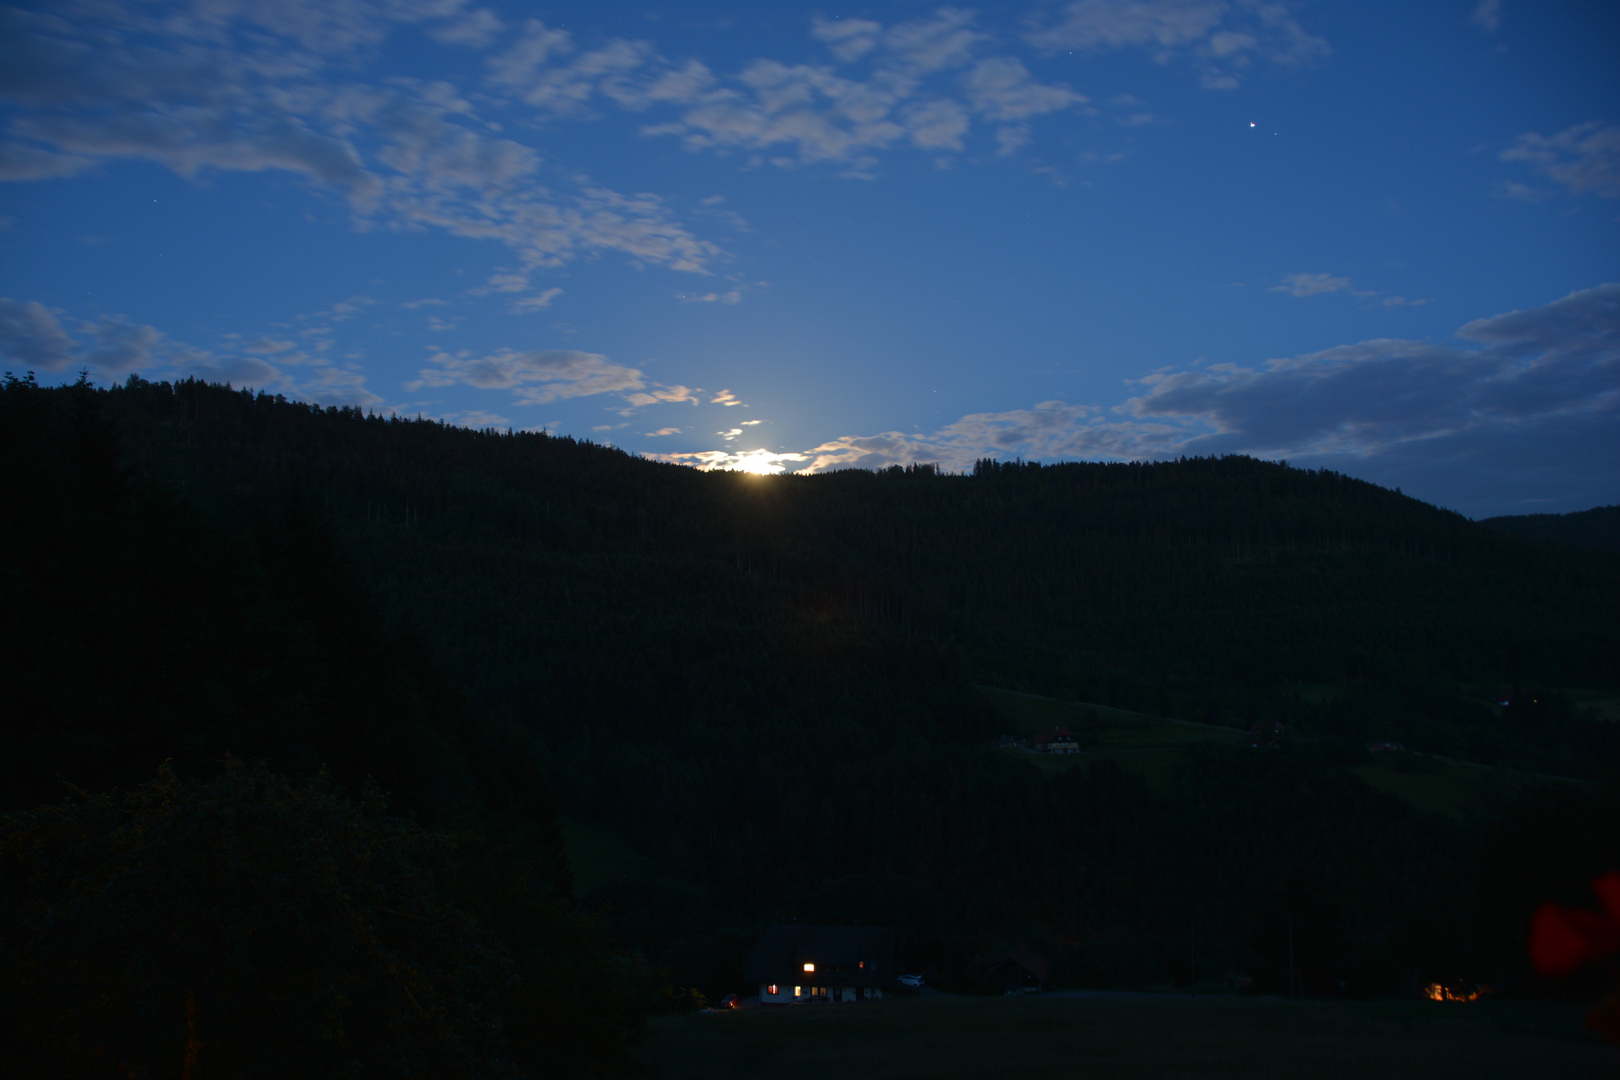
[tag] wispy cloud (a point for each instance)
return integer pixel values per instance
(1223, 39)
(1311, 284)
(200, 87)
(537, 301)
(536, 377)
(33, 337)
(668, 395)
(730, 296)
(476, 418)
(1585, 159)
(1487, 15)
(540, 376)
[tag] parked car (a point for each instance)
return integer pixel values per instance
(730, 1001)
(913, 981)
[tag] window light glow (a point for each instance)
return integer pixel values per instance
(809, 967)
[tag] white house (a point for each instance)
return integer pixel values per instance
(797, 965)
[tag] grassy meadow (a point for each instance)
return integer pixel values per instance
(1154, 748)
(1134, 1037)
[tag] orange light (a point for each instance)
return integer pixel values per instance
(809, 967)
(1442, 992)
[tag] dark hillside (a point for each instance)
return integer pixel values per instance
(1598, 528)
(1202, 589)
(764, 685)
(142, 638)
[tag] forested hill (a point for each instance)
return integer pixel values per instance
(765, 685)
(1203, 589)
(1597, 528)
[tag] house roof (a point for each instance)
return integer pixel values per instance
(838, 952)
(1020, 955)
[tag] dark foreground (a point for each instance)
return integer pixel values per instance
(1136, 1037)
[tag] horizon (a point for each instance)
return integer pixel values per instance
(1367, 238)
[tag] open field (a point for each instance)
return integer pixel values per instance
(1139, 1037)
(1154, 748)
(1147, 745)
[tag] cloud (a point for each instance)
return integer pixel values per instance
(536, 377)
(238, 371)
(189, 143)
(1523, 411)
(1585, 159)
(761, 462)
(918, 83)
(532, 69)
(263, 346)
(1535, 367)
(477, 418)
(668, 395)
(31, 337)
(221, 87)
(475, 30)
(1311, 284)
(538, 301)
(1487, 15)
(121, 347)
(662, 432)
(19, 161)
(1222, 38)
(1002, 90)
(725, 397)
(730, 296)
(1050, 429)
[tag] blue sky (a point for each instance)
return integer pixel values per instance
(1377, 237)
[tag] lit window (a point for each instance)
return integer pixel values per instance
(809, 967)
(771, 990)
(796, 990)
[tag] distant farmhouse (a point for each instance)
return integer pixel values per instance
(793, 965)
(1060, 740)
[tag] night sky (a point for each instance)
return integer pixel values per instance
(1379, 237)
